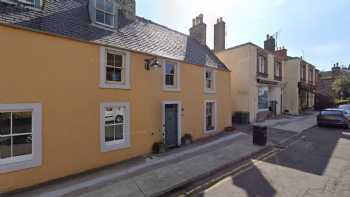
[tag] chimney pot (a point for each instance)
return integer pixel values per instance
(199, 30)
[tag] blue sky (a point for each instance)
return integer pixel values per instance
(319, 29)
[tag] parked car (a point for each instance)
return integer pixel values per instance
(346, 108)
(333, 117)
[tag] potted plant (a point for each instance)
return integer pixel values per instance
(159, 147)
(186, 139)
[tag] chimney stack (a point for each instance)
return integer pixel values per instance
(198, 30)
(219, 35)
(128, 9)
(270, 43)
(281, 53)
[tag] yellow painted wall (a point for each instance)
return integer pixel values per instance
(63, 75)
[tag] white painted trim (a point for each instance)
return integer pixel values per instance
(35, 159)
(213, 90)
(122, 144)
(179, 122)
(177, 87)
(127, 63)
(205, 117)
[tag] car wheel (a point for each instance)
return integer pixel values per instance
(319, 125)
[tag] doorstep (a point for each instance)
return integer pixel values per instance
(157, 174)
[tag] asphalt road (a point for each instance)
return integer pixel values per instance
(315, 165)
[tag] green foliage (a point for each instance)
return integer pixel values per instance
(342, 102)
(341, 86)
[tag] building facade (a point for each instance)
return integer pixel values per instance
(256, 79)
(89, 84)
(301, 82)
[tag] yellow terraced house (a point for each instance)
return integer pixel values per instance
(87, 83)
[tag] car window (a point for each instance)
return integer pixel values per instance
(346, 107)
(331, 112)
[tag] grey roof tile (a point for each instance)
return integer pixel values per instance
(71, 18)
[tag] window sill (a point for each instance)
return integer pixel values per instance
(210, 91)
(117, 145)
(263, 110)
(210, 131)
(171, 89)
(104, 27)
(264, 75)
(19, 163)
(107, 85)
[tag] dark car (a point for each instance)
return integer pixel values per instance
(333, 117)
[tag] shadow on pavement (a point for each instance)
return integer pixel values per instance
(317, 145)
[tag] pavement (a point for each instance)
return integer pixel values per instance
(317, 164)
(161, 174)
(154, 175)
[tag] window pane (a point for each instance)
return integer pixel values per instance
(116, 116)
(210, 123)
(5, 147)
(114, 74)
(263, 98)
(109, 19)
(209, 84)
(22, 145)
(119, 119)
(119, 132)
(169, 80)
(109, 6)
(100, 17)
(170, 69)
(110, 59)
(21, 122)
(109, 133)
(118, 61)
(100, 4)
(5, 123)
(208, 75)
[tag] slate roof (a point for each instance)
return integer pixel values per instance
(71, 18)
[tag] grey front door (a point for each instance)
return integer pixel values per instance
(170, 124)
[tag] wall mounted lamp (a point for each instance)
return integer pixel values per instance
(152, 63)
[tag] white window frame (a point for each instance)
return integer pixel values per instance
(205, 116)
(126, 66)
(177, 77)
(265, 109)
(105, 12)
(118, 144)
(25, 161)
(213, 89)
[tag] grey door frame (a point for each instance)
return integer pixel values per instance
(179, 111)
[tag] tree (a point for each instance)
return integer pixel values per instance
(341, 87)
